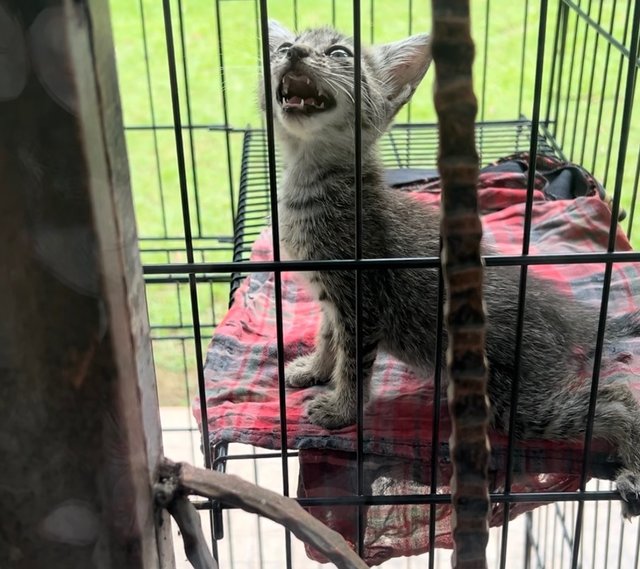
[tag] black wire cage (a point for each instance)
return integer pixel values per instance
(554, 78)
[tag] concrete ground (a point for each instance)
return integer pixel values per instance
(253, 543)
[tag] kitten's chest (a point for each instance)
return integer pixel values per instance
(314, 229)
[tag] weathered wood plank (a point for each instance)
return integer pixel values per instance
(79, 425)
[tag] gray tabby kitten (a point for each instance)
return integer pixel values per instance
(313, 101)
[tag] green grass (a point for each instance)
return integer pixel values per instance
(146, 99)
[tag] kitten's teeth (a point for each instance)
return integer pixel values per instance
(308, 81)
(301, 103)
(321, 105)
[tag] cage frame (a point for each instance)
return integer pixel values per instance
(544, 128)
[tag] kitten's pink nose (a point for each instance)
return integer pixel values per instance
(297, 52)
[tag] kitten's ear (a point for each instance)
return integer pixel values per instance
(404, 64)
(278, 35)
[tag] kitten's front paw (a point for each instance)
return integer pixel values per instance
(302, 372)
(628, 484)
(331, 412)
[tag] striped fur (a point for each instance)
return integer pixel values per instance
(317, 221)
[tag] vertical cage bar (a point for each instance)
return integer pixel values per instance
(637, 556)
(607, 537)
(616, 100)
(570, 82)
(372, 20)
(185, 375)
(620, 544)
(216, 517)
(271, 155)
(523, 58)
(178, 290)
(634, 197)
(552, 73)
(547, 539)
(554, 533)
(357, 88)
(188, 238)
(595, 529)
(187, 92)
(558, 542)
(485, 54)
(527, 540)
(580, 79)
(145, 45)
(225, 110)
(591, 81)
(232, 560)
(559, 51)
(615, 209)
(483, 92)
(258, 518)
(409, 105)
(435, 436)
(410, 32)
(602, 90)
(522, 288)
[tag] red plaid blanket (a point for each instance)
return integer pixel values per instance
(242, 385)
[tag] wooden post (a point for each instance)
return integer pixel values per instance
(80, 434)
(456, 105)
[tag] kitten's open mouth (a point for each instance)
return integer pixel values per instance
(299, 94)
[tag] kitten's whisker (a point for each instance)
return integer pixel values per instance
(340, 83)
(345, 83)
(337, 87)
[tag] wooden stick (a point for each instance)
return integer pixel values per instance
(195, 545)
(456, 105)
(235, 491)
